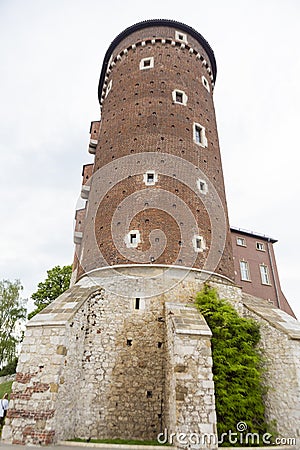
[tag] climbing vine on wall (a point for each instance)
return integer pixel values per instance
(237, 366)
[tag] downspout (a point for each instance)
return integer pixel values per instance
(274, 275)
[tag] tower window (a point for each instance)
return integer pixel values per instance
(108, 88)
(150, 178)
(241, 241)
(180, 36)
(264, 273)
(260, 246)
(147, 63)
(199, 135)
(245, 272)
(132, 239)
(202, 186)
(198, 244)
(179, 97)
(137, 303)
(205, 83)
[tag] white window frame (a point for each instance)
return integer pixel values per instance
(151, 63)
(184, 97)
(146, 178)
(199, 244)
(245, 270)
(180, 36)
(262, 245)
(202, 186)
(241, 241)
(203, 139)
(264, 274)
(205, 83)
(128, 239)
(108, 89)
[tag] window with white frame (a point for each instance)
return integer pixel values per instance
(108, 89)
(260, 246)
(150, 178)
(202, 186)
(147, 63)
(179, 97)
(241, 241)
(198, 244)
(182, 37)
(205, 83)
(245, 272)
(132, 239)
(264, 273)
(199, 135)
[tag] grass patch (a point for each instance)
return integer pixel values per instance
(117, 441)
(5, 387)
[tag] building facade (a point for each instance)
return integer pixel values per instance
(124, 353)
(256, 269)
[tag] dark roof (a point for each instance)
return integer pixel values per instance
(260, 236)
(153, 23)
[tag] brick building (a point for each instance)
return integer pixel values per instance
(255, 267)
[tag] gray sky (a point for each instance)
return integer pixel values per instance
(51, 56)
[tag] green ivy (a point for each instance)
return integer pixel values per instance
(237, 365)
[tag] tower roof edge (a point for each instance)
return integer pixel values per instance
(150, 23)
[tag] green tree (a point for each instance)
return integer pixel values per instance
(12, 313)
(57, 282)
(237, 365)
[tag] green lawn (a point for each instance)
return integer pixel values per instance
(5, 387)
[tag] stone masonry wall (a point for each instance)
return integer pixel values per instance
(190, 401)
(280, 344)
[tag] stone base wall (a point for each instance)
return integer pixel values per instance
(93, 365)
(280, 345)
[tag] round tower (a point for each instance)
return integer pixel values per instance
(155, 193)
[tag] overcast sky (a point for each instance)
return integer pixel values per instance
(51, 57)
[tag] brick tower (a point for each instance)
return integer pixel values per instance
(124, 353)
(156, 195)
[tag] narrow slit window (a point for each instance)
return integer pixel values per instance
(205, 83)
(137, 303)
(150, 178)
(202, 186)
(179, 97)
(199, 244)
(199, 135)
(133, 238)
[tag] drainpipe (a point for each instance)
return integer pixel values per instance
(273, 274)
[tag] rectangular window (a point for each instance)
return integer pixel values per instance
(245, 272)
(264, 273)
(260, 246)
(179, 97)
(199, 135)
(241, 241)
